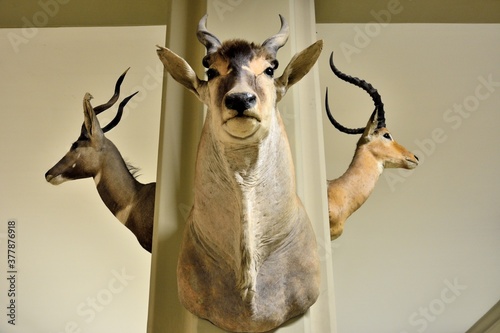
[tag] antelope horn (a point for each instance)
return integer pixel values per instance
(274, 43)
(103, 107)
(208, 39)
(366, 87)
(337, 124)
(119, 114)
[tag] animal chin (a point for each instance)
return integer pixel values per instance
(411, 164)
(241, 127)
(59, 179)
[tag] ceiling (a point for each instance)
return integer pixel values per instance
(69, 13)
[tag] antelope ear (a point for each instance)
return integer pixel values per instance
(91, 123)
(299, 66)
(181, 72)
(372, 124)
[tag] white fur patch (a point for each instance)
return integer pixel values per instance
(97, 178)
(123, 214)
(58, 180)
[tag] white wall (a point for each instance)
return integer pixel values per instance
(439, 225)
(70, 248)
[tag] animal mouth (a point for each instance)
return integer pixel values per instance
(54, 180)
(242, 124)
(411, 163)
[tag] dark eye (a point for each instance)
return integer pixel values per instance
(211, 73)
(269, 71)
(387, 136)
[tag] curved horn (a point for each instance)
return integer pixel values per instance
(337, 124)
(274, 43)
(366, 87)
(208, 39)
(119, 114)
(100, 108)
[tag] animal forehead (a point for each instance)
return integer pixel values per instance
(237, 54)
(382, 130)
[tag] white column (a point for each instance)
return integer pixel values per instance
(181, 122)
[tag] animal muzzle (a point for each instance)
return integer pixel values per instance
(240, 102)
(54, 179)
(412, 161)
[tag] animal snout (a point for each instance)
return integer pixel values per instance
(48, 176)
(240, 102)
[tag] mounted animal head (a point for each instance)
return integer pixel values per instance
(374, 136)
(240, 91)
(84, 157)
(247, 223)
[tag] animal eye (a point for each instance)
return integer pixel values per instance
(387, 136)
(269, 71)
(211, 73)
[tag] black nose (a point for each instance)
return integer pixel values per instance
(240, 102)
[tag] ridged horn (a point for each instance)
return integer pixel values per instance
(337, 124)
(366, 87)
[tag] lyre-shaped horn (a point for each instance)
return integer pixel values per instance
(377, 100)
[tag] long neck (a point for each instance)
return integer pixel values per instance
(242, 191)
(348, 192)
(115, 184)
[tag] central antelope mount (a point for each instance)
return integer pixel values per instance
(375, 150)
(248, 260)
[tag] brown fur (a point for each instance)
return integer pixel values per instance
(248, 260)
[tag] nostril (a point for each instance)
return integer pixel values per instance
(416, 157)
(240, 101)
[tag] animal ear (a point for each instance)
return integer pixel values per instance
(372, 124)
(181, 72)
(299, 66)
(92, 126)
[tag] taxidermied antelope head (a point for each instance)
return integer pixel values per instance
(93, 155)
(248, 260)
(375, 150)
